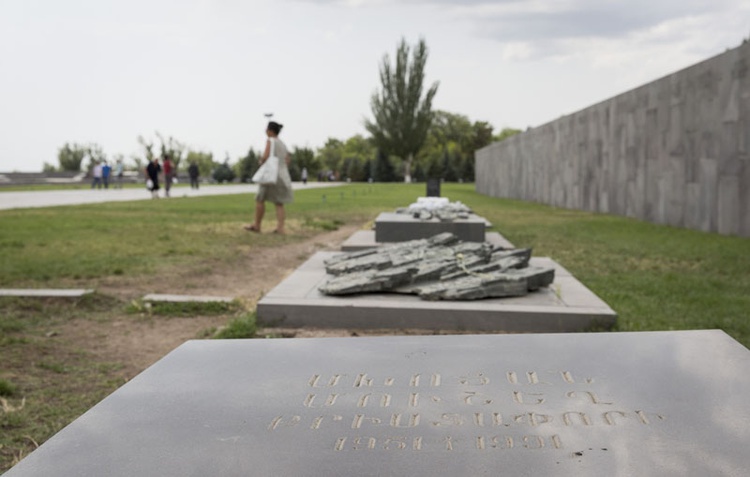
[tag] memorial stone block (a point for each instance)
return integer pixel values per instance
(433, 187)
(393, 227)
(635, 404)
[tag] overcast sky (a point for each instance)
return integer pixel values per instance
(206, 71)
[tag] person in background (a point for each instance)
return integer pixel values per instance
(119, 173)
(194, 172)
(279, 193)
(166, 165)
(304, 175)
(97, 173)
(106, 172)
(152, 174)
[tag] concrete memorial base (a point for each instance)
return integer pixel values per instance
(364, 239)
(393, 227)
(631, 404)
(565, 306)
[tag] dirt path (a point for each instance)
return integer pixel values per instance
(138, 342)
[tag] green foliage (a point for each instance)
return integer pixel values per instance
(448, 152)
(383, 170)
(505, 134)
(303, 157)
(148, 148)
(204, 160)
(223, 173)
(173, 148)
(246, 166)
(242, 327)
(70, 156)
(402, 115)
(7, 388)
(331, 155)
(96, 154)
(162, 308)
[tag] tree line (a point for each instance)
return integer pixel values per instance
(407, 141)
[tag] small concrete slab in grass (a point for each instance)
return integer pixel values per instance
(365, 239)
(566, 306)
(394, 227)
(45, 292)
(166, 298)
(670, 403)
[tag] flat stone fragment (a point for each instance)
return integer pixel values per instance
(45, 293)
(592, 404)
(187, 298)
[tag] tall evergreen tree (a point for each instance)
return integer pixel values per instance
(402, 115)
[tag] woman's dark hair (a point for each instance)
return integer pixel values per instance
(275, 127)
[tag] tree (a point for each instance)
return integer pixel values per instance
(70, 157)
(246, 166)
(223, 172)
(148, 148)
(331, 155)
(173, 148)
(303, 157)
(384, 170)
(505, 134)
(96, 154)
(204, 161)
(402, 116)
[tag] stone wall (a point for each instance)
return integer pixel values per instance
(675, 151)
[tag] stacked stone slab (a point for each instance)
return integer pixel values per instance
(427, 217)
(438, 268)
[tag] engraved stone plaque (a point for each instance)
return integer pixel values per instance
(659, 403)
(433, 187)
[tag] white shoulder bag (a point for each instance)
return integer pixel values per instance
(268, 172)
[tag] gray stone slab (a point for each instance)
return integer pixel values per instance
(187, 298)
(629, 404)
(364, 239)
(393, 227)
(45, 293)
(565, 306)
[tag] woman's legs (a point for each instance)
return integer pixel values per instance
(260, 211)
(280, 216)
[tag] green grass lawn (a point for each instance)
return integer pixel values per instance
(655, 277)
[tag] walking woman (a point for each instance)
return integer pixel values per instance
(279, 193)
